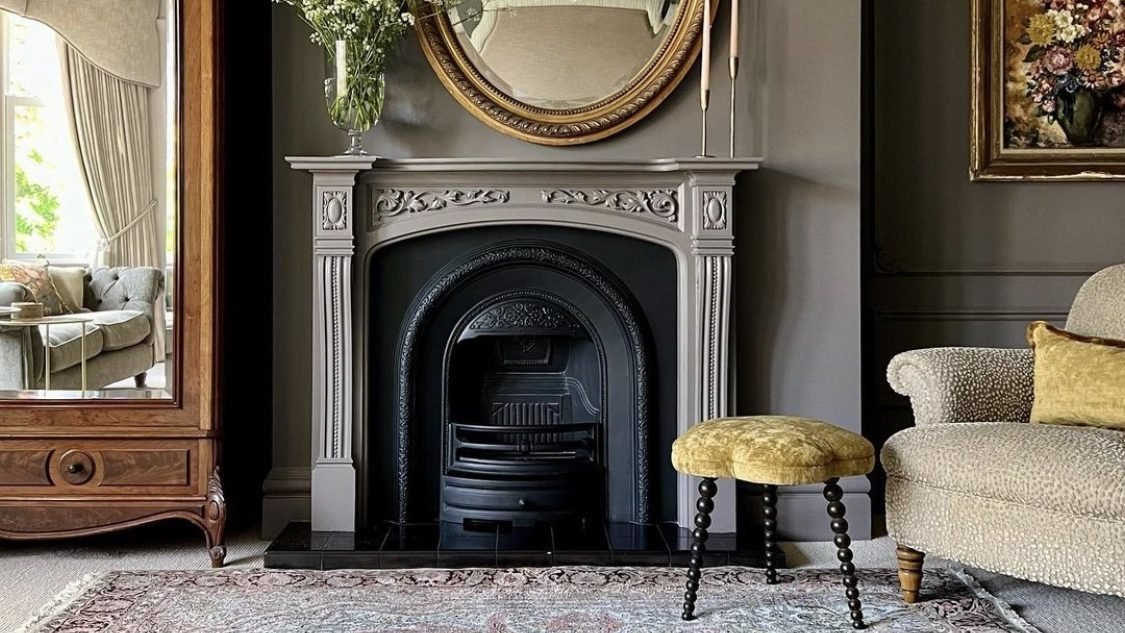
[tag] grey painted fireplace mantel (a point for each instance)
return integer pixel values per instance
(361, 204)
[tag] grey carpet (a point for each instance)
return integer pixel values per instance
(33, 573)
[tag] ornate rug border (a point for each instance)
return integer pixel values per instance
(61, 602)
(78, 589)
(1005, 609)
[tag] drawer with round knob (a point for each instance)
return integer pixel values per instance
(132, 467)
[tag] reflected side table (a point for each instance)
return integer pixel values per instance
(12, 320)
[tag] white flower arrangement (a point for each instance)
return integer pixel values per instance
(357, 36)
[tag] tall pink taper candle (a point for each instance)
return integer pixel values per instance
(734, 28)
(705, 78)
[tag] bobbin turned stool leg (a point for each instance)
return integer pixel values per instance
(769, 531)
(705, 505)
(836, 510)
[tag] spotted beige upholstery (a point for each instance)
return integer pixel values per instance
(973, 482)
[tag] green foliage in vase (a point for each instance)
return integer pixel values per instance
(367, 31)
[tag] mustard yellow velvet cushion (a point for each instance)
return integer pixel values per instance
(769, 449)
(1079, 380)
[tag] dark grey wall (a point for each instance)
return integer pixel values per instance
(960, 263)
(798, 226)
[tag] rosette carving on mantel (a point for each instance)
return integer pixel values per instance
(661, 203)
(390, 203)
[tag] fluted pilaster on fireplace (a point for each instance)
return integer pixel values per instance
(684, 205)
(334, 215)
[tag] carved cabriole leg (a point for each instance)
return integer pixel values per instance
(769, 531)
(910, 572)
(833, 493)
(705, 505)
(215, 520)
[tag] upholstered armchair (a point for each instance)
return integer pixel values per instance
(974, 482)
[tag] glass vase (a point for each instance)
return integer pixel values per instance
(354, 92)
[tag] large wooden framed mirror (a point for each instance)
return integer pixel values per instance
(562, 72)
(110, 234)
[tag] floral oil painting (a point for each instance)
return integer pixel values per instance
(1049, 93)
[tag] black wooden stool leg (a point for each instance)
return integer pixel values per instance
(769, 530)
(705, 505)
(836, 510)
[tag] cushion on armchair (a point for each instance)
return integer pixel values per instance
(1079, 380)
(37, 279)
(123, 328)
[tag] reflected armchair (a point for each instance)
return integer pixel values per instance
(120, 341)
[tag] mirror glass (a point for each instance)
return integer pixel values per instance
(88, 199)
(561, 54)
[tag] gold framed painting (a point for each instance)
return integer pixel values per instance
(1048, 94)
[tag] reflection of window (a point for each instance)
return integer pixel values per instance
(45, 210)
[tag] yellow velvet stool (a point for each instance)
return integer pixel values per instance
(772, 451)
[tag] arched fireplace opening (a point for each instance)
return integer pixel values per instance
(524, 423)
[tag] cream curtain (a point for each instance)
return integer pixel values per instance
(111, 126)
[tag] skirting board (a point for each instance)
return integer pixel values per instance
(286, 497)
(801, 509)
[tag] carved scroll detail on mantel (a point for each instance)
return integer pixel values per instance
(714, 210)
(334, 209)
(661, 203)
(389, 203)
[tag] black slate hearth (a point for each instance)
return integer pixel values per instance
(449, 545)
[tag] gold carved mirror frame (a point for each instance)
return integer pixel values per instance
(573, 126)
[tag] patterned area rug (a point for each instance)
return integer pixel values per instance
(589, 599)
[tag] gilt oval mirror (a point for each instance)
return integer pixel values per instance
(89, 211)
(562, 72)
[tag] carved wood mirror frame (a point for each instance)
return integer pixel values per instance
(574, 126)
(195, 339)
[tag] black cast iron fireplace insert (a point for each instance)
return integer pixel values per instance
(541, 359)
(523, 428)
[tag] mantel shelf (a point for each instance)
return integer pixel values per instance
(516, 164)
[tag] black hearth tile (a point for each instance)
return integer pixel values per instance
(412, 537)
(524, 547)
(455, 537)
(574, 545)
(678, 538)
(458, 559)
(292, 560)
(350, 560)
(592, 537)
(407, 560)
(636, 537)
(340, 542)
(298, 537)
(371, 539)
(528, 558)
(537, 538)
